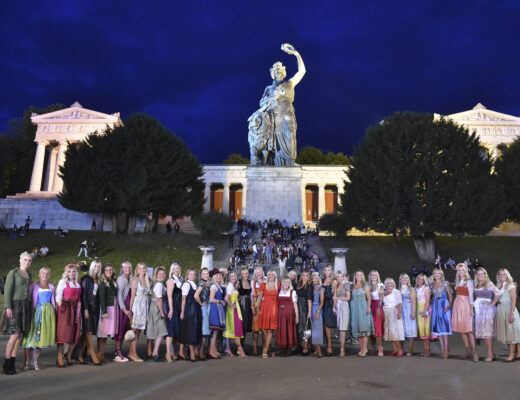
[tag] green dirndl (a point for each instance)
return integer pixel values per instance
(43, 325)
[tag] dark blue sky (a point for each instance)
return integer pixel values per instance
(200, 68)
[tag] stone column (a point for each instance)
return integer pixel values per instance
(51, 169)
(304, 205)
(207, 197)
(57, 185)
(39, 158)
(321, 199)
(340, 263)
(207, 257)
(341, 189)
(244, 199)
(225, 199)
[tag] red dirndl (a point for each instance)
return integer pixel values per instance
(68, 321)
(268, 309)
(286, 336)
(379, 323)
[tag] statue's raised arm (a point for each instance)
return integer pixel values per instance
(289, 49)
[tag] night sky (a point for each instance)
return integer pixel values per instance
(200, 67)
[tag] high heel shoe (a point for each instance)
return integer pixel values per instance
(475, 356)
(211, 357)
(342, 353)
(264, 354)
(135, 359)
(60, 365)
(35, 365)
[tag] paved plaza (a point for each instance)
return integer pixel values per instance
(285, 378)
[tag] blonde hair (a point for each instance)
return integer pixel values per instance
(271, 272)
(172, 265)
(466, 274)
(387, 280)
(236, 279)
(315, 275)
(439, 271)
(509, 280)
(363, 279)
(332, 278)
(409, 285)
(425, 279)
(187, 272)
(214, 280)
(156, 272)
(44, 268)
(375, 272)
(92, 266)
(70, 267)
(127, 263)
(486, 278)
(25, 254)
(263, 273)
(146, 276)
(286, 279)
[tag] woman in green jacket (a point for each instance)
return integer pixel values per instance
(16, 320)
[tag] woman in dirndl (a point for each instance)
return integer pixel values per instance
(43, 327)
(139, 304)
(190, 327)
(342, 309)
(68, 321)
(16, 320)
(259, 278)
(202, 297)
(217, 316)
(109, 315)
(90, 312)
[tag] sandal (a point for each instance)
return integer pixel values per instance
(35, 365)
(264, 354)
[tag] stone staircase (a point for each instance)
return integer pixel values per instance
(313, 241)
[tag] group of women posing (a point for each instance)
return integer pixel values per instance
(222, 308)
(395, 313)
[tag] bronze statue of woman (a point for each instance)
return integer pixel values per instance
(277, 103)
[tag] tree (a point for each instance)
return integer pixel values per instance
(312, 156)
(413, 175)
(212, 224)
(17, 150)
(335, 223)
(235, 159)
(136, 169)
(507, 168)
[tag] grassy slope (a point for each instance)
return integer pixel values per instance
(370, 252)
(154, 249)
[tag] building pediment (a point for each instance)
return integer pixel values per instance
(481, 115)
(75, 114)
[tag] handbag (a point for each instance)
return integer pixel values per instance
(307, 333)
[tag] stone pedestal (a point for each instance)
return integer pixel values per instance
(274, 192)
(340, 263)
(207, 257)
